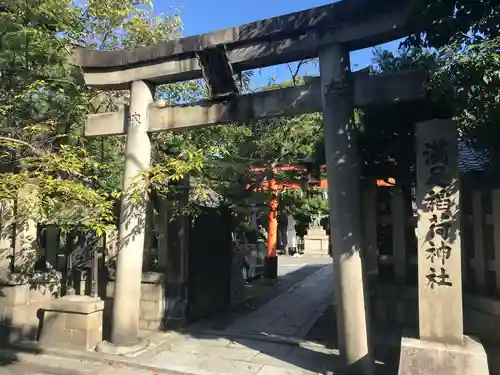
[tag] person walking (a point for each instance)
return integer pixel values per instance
(291, 236)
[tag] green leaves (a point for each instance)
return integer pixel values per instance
(44, 103)
(473, 72)
(447, 22)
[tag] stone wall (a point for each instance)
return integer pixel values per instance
(152, 305)
(21, 307)
(72, 322)
(393, 304)
(397, 306)
(152, 301)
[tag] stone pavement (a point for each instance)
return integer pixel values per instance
(42, 364)
(259, 343)
(267, 341)
(294, 312)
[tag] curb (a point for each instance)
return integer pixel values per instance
(30, 349)
(275, 339)
(33, 349)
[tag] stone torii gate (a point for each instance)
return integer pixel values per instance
(330, 33)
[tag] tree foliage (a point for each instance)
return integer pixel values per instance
(444, 23)
(44, 103)
(466, 38)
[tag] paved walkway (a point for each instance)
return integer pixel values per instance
(267, 341)
(25, 363)
(294, 312)
(257, 344)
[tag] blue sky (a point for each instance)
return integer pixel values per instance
(201, 16)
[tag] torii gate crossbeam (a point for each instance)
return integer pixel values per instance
(329, 33)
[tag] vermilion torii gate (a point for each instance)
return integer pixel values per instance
(327, 32)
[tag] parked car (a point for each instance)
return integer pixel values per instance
(251, 246)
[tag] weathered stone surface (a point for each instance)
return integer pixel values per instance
(77, 304)
(151, 310)
(344, 194)
(14, 295)
(151, 292)
(15, 315)
(316, 242)
(44, 292)
(430, 358)
(155, 278)
(268, 42)
(83, 322)
(438, 232)
(16, 332)
(291, 101)
(152, 303)
(73, 322)
(150, 325)
(109, 348)
(110, 289)
(316, 232)
(316, 245)
(132, 231)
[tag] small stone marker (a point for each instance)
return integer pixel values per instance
(439, 252)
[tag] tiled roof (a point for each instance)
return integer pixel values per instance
(470, 160)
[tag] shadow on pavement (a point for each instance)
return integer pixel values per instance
(386, 339)
(259, 292)
(230, 354)
(9, 333)
(250, 352)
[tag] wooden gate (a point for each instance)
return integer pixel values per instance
(209, 264)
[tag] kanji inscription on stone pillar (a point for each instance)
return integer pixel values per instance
(439, 251)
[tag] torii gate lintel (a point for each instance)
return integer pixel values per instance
(329, 33)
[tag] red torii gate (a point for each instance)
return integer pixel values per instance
(273, 186)
(272, 233)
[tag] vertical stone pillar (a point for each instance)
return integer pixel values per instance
(344, 203)
(125, 323)
(25, 244)
(442, 348)
(439, 251)
(6, 233)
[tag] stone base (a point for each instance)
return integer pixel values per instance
(73, 322)
(271, 267)
(109, 348)
(428, 358)
(316, 244)
(152, 304)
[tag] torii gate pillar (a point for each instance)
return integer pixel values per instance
(343, 173)
(125, 324)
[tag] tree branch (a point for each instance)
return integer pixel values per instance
(13, 140)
